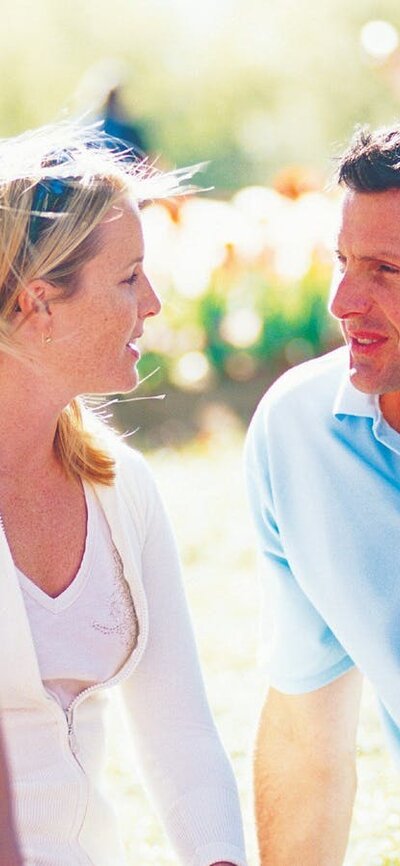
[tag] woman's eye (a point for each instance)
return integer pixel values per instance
(131, 280)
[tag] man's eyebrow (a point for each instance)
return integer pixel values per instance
(379, 254)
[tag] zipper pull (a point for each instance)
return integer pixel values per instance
(71, 736)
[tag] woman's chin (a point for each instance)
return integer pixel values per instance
(117, 385)
(128, 384)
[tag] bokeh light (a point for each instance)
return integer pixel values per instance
(192, 371)
(379, 39)
(241, 327)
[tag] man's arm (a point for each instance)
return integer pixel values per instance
(9, 855)
(305, 777)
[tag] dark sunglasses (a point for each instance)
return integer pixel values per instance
(51, 196)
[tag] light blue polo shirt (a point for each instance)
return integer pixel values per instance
(323, 470)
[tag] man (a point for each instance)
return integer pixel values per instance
(323, 462)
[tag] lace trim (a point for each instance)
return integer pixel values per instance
(123, 620)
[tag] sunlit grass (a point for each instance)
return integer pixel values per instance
(204, 491)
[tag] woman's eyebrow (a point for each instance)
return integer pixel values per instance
(137, 260)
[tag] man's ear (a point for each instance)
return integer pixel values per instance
(35, 298)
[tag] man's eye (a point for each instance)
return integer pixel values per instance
(131, 280)
(388, 269)
(340, 261)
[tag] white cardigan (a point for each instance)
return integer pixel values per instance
(56, 760)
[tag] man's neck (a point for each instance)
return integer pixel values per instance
(390, 408)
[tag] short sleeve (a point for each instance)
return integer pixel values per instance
(300, 650)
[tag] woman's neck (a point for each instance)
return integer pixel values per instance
(28, 422)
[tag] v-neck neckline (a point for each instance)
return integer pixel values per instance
(58, 603)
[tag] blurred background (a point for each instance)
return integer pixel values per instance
(266, 93)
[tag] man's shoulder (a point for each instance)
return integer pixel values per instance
(317, 375)
(312, 384)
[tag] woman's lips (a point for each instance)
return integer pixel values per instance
(134, 350)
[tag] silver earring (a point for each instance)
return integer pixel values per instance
(46, 339)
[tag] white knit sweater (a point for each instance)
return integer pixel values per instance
(56, 759)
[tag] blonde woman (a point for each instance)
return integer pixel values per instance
(8, 844)
(91, 601)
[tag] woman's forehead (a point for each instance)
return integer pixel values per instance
(121, 233)
(123, 217)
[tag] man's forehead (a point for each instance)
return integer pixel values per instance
(370, 203)
(373, 217)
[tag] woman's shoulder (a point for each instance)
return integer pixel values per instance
(133, 491)
(131, 464)
(132, 471)
(134, 484)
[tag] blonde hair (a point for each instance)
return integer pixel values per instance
(56, 184)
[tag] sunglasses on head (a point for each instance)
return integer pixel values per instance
(50, 196)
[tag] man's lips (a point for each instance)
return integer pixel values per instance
(366, 342)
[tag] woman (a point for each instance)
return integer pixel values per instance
(9, 845)
(90, 590)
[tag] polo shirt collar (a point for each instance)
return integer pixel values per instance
(350, 401)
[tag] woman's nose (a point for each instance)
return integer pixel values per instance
(152, 303)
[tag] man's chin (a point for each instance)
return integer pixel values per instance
(362, 382)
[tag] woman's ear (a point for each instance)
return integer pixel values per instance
(35, 298)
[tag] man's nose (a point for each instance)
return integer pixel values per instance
(349, 296)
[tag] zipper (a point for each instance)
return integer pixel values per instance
(122, 674)
(71, 736)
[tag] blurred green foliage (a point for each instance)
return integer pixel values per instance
(245, 285)
(250, 85)
(257, 87)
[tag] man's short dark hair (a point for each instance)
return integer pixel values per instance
(371, 163)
